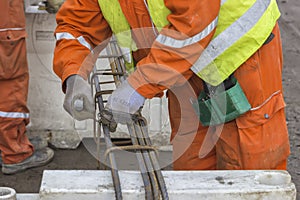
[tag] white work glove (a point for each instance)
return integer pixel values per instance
(79, 102)
(122, 103)
(125, 99)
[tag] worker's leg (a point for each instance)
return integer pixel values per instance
(187, 133)
(263, 146)
(14, 144)
(259, 138)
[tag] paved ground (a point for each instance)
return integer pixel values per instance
(79, 159)
(29, 181)
(290, 30)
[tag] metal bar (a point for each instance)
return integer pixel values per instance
(120, 66)
(106, 82)
(114, 62)
(148, 163)
(109, 56)
(147, 160)
(128, 148)
(151, 191)
(109, 144)
(153, 157)
(103, 92)
(142, 165)
(110, 73)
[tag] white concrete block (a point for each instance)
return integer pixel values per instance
(28, 196)
(206, 185)
(45, 97)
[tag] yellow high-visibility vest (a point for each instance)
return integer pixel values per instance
(241, 29)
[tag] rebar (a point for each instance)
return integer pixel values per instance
(146, 154)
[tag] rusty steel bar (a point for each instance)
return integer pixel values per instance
(155, 187)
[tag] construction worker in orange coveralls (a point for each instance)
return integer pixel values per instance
(17, 152)
(176, 43)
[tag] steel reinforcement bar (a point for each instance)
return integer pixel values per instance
(153, 180)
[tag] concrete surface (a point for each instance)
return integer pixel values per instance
(188, 185)
(28, 196)
(81, 158)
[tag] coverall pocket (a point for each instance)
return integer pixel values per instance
(250, 72)
(263, 136)
(13, 53)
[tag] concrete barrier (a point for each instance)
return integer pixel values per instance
(28, 196)
(206, 185)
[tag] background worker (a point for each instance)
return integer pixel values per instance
(211, 40)
(17, 151)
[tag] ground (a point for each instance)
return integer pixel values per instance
(290, 30)
(29, 181)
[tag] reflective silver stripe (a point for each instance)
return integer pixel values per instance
(266, 101)
(68, 36)
(84, 42)
(223, 1)
(171, 42)
(64, 35)
(14, 114)
(11, 29)
(232, 34)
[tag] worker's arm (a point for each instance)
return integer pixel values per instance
(168, 63)
(80, 28)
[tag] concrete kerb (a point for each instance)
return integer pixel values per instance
(208, 185)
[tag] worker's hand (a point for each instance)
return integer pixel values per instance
(79, 102)
(52, 6)
(122, 103)
(125, 99)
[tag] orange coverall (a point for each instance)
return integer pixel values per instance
(14, 114)
(256, 140)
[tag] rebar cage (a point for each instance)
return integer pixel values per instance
(104, 79)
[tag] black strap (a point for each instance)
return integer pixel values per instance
(269, 39)
(209, 89)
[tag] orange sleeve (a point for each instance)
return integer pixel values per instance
(80, 18)
(165, 67)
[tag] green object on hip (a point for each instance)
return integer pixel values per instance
(221, 105)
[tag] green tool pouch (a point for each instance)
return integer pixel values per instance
(222, 103)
